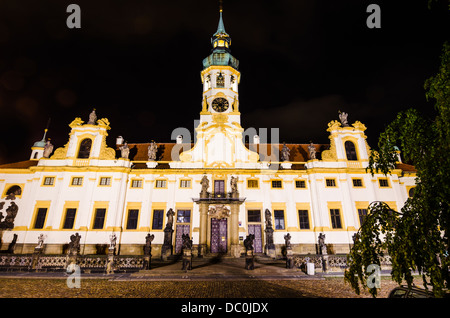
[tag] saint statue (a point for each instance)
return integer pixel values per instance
(343, 118)
(205, 184)
(170, 215)
(92, 118)
(268, 218)
(41, 238)
(124, 151)
(113, 240)
(233, 184)
(312, 151)
(48, 148)
(152, 149)
(285, 152)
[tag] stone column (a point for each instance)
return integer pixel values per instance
(234, 231)
(203, 228)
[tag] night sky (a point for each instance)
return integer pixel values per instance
(139, 62)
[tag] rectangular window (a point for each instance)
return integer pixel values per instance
(335, 219)
(70, 218)
(105, 181)
(383, 183)
(49, 181)
(330, 182)
(303, 218)
(252, 183)
(77, 181)
(185, 183)
(219, 188)
(277, 184)
(160, 183)
(300, 184)
(183, 216)
(136, 183)
(362, 213)
(279, 219)
(99, 218)
(254, 215)
(40, 218)
(157, 223)
(132, 219)
(357, 183)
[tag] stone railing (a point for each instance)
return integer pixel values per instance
(333, 262)
(87, 263)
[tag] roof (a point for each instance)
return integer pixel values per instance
(19, 165)
(406, 167)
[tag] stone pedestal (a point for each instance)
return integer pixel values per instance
(202, 247)
(167, 247)
(35, 258)
(110, 261)
(147, 257)
(310, 268)
(325, 263)
(187, 260)
(269, 248)
(289, 258)
(234, 231)
(249, 260)
(151, 164)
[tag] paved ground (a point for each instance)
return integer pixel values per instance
(209, 278)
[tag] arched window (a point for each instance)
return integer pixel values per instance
(85, 148)
(350, 150)
(411, 192)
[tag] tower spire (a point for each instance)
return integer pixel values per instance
(221, 39)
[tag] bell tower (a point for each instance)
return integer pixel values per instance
(220, 78)
(219, 134)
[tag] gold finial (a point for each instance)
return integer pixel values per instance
(220, 5)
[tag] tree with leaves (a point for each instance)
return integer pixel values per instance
(417, 238)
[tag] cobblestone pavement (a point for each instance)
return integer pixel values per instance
(209, 278)
(104, 288)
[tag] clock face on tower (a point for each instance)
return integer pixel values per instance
(220, 104)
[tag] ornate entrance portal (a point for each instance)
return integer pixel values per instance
(218, 235)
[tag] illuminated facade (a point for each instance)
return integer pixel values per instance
(89, 188)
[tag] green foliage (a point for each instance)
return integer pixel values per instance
(417, 238)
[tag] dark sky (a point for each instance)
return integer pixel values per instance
(138, 63)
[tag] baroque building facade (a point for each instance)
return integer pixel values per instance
(217, 190)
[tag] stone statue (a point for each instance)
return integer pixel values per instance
(322, 245)
(113, 240)
(268, 218)
(12, 245)
(74, 244)
(148, 245)
(152, 149)
(149, 239)
(205, 184)
(92, 118)
(233, 184)
(312, 151)
(124, 151)
(187, 242)
(343, 118)
(248, 242)
(170, 215)
(287, 240)
(48, 149)
(285, 152)
(41, 238)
